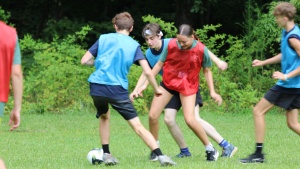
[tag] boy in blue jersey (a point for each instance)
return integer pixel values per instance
(152, 34)
(286, 92)
(112, 55)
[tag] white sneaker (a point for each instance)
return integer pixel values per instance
(109, 159)
(166, 161)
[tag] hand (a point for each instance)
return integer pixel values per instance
(257, 62)
(141, 89)
(158, 92)
(133, 95)
(278, 75)
(14, 120)
(222, 65)
(217, 98)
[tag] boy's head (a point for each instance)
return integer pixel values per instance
(123, 21)
(285, 9)
(152, 34)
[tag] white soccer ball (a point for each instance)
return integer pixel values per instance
(95, 156)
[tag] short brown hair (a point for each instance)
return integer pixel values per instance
(123, 21)
(151, 29)
(285, 9)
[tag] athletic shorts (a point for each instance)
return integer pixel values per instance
(175, 102)
(283, 100)
(123, 107)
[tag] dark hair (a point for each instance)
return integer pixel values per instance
(151, 29)
(123, 21)
(285, 9)
(187, 30)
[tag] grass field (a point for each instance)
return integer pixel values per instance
(63, 141)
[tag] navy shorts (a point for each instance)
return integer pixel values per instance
(124, 107)
(175, 102)
(283, 100)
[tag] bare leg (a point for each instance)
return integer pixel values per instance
(170, 120)
(292, 120)
(104, 128)
(259, 111)
(2, 165)
(144, 134)
(188, 106)
(157, 106)
(208, 128)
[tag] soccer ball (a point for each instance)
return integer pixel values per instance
(95, 156)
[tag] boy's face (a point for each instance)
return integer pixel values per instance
(280, 20)
(153, 41)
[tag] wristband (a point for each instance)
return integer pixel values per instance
(285, 77)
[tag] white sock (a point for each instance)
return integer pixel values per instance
(209, 147)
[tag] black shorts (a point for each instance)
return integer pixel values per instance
(124, 107)
(283, 100)
(175, 102)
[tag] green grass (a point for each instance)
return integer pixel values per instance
(63, 141)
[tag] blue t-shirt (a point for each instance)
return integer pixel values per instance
(116, 92)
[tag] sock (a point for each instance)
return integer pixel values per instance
(259, 147)
(209, 147)
(158, 152)
(224, 143)
(105, 148)
(185, 150)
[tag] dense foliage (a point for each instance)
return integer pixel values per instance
(56, 82)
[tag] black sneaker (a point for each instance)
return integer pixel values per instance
(212, 155)
(253, 158)
(153, 156)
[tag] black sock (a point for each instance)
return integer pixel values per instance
(158, 152)
(105, 148)
(259, 147)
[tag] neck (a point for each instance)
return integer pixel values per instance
(124, 31)
(159, 44)
(289, 25)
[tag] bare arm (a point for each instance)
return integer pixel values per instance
(17, 85)
(150, 75)
(220, 63)
(87, 59)
(209, 79)
(273, 60)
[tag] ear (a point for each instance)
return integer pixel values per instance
(115, 26)
(131, 29)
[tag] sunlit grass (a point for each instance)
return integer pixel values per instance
(63, 141)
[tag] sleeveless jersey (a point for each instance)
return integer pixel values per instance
(8, 37)
(181, 68)
(115, 56)
(289, 59)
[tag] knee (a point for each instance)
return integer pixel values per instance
(104, 117)
(169, 121)
(189, 121)
(153, 117)
(292, 125)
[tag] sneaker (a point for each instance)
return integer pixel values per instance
(253, 158)
(109, 159)
(212, 155)
(153, 156)
(166, 161)
(229, 151)
(182, 155)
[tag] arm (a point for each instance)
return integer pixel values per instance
(150, 76)
(273, 60)
(220, 63)
(87, 59)
(17, 85)
(143, 81)
(209, 79)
